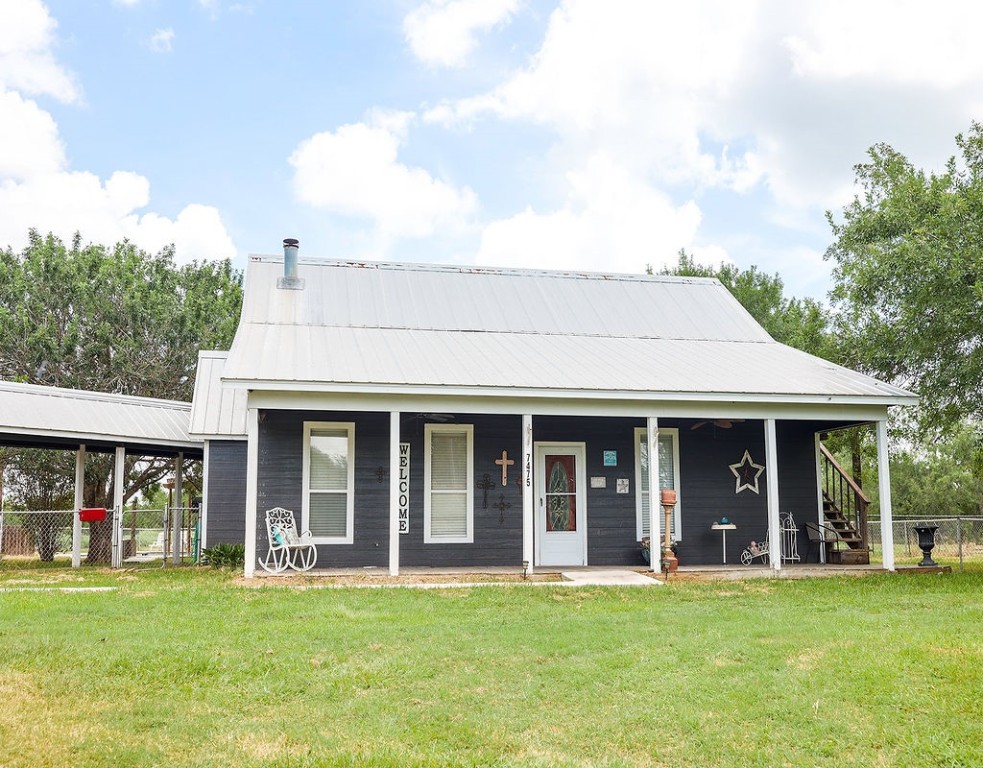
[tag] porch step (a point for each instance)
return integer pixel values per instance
(609, 577)
(843, 527)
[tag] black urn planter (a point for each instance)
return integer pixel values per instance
(926, 542)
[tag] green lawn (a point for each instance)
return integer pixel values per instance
(184, 667)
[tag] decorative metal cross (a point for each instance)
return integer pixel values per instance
(501, 507)
(505, 462)
(381, 473)
(485, 485)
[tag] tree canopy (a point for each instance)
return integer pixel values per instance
(908, 266)
(111, 319)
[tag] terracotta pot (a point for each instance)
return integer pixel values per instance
(668, 497)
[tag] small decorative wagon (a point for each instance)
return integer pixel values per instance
(756, 549)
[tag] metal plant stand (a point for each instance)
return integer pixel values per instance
(790, 539)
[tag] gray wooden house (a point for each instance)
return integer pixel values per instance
(423, 415)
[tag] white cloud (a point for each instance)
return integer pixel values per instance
(39, 190)
(610, 220)
(106, 212)
(903, 41)
(355, 171)
(29, 143)
(161, 41)
(763, 97)
(635, 80)
(442, 32)
(211, 7)
(26, 60)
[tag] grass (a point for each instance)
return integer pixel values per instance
(186, 667)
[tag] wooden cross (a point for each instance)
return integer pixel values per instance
(505, 462)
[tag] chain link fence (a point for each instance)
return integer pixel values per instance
(958, 540)
(46, 535)
(133, 537)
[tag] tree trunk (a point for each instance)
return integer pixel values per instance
(101, 541)
(97, 494)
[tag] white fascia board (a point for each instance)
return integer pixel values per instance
(547, 406)
(92, 438)
(655, 398)
(215, 436)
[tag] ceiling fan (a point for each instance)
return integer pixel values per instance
(722, 423)
(439, 417)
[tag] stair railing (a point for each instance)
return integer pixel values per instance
(842, 490)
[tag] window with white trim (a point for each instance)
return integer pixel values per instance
(329, 481)
(448, 509)
(668, 479)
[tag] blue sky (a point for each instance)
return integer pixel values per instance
(586, 135)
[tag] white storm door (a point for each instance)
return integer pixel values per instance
(561, 509)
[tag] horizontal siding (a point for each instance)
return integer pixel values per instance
(226, 492)
(707, 486)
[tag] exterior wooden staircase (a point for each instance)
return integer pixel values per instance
(845, 509)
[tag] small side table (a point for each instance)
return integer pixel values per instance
(723, 528)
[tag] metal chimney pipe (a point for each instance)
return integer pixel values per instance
(290, 248)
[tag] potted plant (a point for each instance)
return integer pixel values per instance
(646, 546)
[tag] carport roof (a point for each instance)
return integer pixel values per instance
(51, 417)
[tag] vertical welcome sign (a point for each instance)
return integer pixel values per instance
(404, 487)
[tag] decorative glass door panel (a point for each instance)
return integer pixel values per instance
(561, 493)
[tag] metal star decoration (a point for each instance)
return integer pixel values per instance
(747, 473)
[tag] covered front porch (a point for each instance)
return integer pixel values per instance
(524, 481)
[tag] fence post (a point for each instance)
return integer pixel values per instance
(115, 560)
(959, 539)
(1, 532)
(167, 535)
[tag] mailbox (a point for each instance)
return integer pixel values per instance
(92, 514)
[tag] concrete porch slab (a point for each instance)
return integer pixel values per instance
(609, 577)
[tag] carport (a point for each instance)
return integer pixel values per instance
(95, 422)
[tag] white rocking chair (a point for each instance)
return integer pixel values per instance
(287, 549)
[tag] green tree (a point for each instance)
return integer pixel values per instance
(940, 479)
(908, 266)
(111, 319)
(799, 323)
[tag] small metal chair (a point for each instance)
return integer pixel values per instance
(822, 535)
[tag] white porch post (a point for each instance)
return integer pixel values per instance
(774, 524)
(884, 491)
(527, 495)
(820, 517)
(177, 511)
(252, 469)
(119, 480)
(394, 493)
(203, 509)
(654, 499)
(79, 501)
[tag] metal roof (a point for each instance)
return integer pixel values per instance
(216, 411)
(372, 325)
(54, 417)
